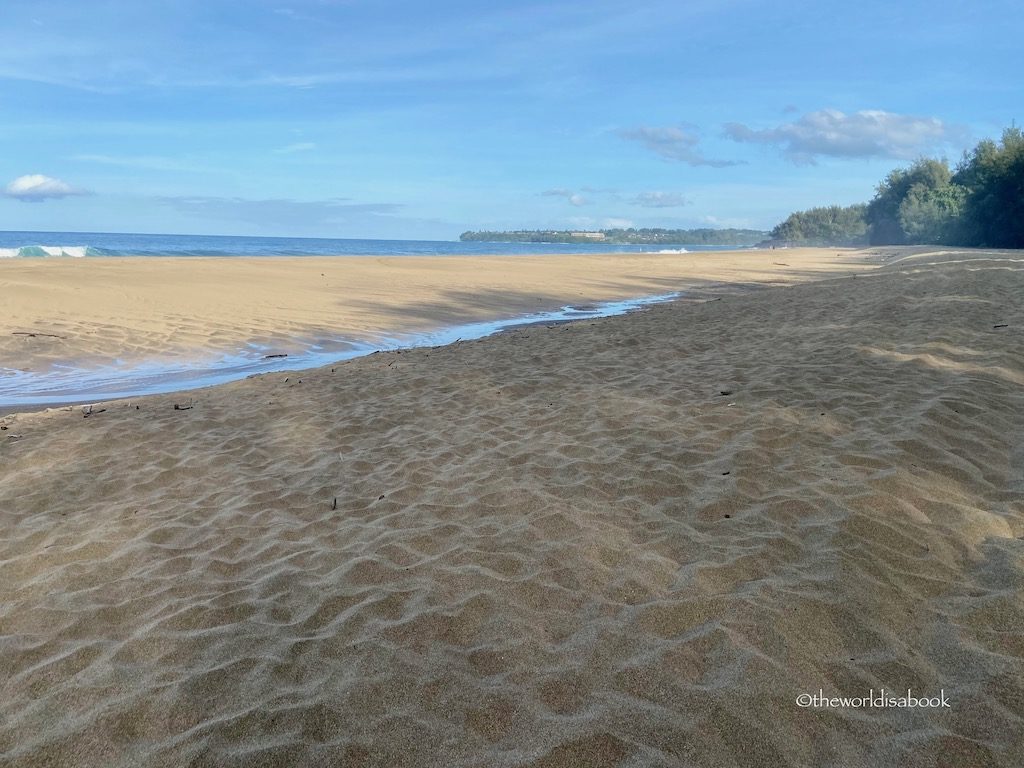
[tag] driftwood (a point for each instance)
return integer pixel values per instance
(87, 412)
(184, 407)
(1002, 325)
(37, 333)
(279, 354)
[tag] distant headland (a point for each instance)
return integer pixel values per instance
(707, 236)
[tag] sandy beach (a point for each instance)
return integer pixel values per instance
(96, 310)
(633, 541)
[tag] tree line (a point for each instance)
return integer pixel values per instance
(978, 203)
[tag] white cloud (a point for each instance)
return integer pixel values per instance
(613, 222)
(659, 200)
(148, 162)
(869, 133)
(673, 143)
(721, 223)
(35, 188)
(282, 212)
(573, 198)
(301, 146)
(608, 222)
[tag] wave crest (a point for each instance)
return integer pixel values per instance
(42, 251)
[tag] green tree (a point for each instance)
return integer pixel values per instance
(932, 214)
(993, 208)
(830, 225)
(883, 214)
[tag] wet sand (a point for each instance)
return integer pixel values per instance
(97, 310)
(623, 542)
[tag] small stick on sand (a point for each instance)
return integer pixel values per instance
(279, 354)
(36, 333)
(334, 504)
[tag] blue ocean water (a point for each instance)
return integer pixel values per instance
(84, 244)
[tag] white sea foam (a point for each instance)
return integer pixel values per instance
(40, 251)
(75, 251)
(673, 250)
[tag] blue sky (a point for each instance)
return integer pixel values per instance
(353, 118)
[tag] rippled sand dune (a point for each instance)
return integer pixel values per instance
(625, 542)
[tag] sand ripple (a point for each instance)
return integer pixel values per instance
(556, 547)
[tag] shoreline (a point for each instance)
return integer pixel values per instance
(108, 328)
(142, 381)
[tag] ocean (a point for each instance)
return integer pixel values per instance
(85, 244)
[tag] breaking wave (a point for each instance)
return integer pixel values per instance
(39, 251)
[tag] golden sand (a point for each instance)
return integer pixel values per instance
(100, 309)
(625, 542)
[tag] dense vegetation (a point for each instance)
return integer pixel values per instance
(624, 236)
(833, 225)
(979, 203)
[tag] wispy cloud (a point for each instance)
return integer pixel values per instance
(299, 146)
(865, 134)
(280, 212)
(35, 188)
(673, 143)
(659, 200)
(605, 195)
(573, 198)
(608, 222)
(145, 162)
(719, 222)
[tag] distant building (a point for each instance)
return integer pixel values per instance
(588, 235)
